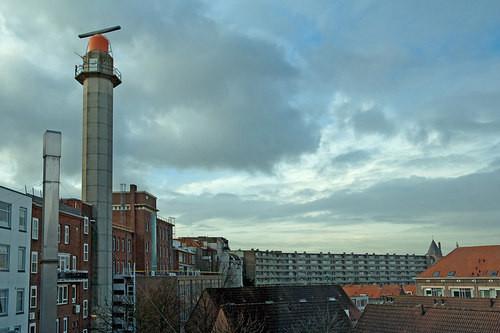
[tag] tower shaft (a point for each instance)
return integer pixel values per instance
(99, 77)
(97, 178)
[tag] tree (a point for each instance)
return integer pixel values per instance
(324, 319)
(157, 307)
(243, 323)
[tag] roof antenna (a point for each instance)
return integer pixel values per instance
(101, 31)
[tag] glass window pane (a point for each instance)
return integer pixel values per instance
(23, 218)
(5, 213)
(4, 257)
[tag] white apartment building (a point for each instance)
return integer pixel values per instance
(15, 231)
(263, 268)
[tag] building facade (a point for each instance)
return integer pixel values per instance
(15, 236)
(466, 272)
(294, 268)
(141, 238)
(74, 272)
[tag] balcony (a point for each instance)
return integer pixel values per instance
(98, 69)
(72, 276)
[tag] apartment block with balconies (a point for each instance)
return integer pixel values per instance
(301, 268)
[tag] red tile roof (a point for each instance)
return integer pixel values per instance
(372, 290)
(410, 289)
(473, 261)
(447, 302)
(189, 242)
(386, 318)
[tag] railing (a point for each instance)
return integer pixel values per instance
(72, 275)
(97, 68)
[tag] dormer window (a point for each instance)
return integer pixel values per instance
(436, 274)
(451, 273)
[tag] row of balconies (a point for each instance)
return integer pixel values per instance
(340, 256)
(338, 269)
(338, 262)
(357, 274)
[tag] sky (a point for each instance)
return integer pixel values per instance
(342, 126)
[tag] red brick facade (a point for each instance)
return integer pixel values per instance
(134, 217)
(74, 270)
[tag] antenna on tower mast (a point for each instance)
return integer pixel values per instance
(97, 32)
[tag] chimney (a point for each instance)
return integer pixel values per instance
(439, 245)
(133, 188)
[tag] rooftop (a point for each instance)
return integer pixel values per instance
(472, 261)
(387, 318)
(373, 290)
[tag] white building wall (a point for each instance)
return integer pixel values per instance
(14, 279)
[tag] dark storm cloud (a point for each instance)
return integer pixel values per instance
(413, 200)
(352, 157)
(194, 93)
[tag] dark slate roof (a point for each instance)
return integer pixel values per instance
(251, 297)
(434, 250)
(393, 318)
(327, 316)
(279, 294)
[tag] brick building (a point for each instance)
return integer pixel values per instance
(137, 230)
(74, 268)
(466, 272)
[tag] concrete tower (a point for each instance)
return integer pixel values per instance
(98, 77)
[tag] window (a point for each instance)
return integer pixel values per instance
(23, 218)
(147, 247)
(34, 262)
(129, 245)
(85, 225)
(114, 243)
(73, 294)
(62, 294)
(20, 301)
(5, 212)
(452, 273)
(461, 292)
(32, 297)
(435, 274)
(147, 225)
(123, 245)
(63, 262)
(32, 328)
(66, 234)
(4, 302)
(85, 252)
(58, 233)
(65, 325)
(21, 259)
(73, 263)
(57, 325)
(438, 292)
(85, 284)
(488, 293)
(34, 228)
(4, 257)
(84, 330)
(85, 310)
